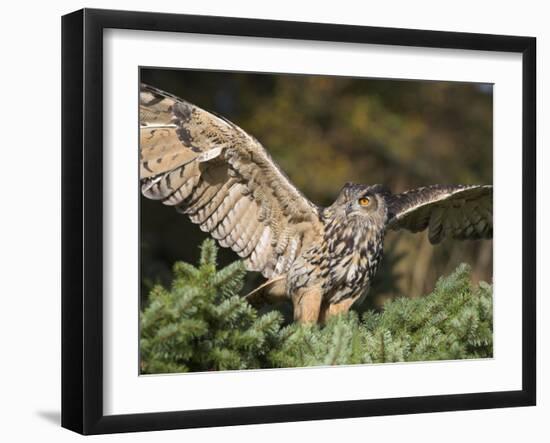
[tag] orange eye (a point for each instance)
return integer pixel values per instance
(364, 201)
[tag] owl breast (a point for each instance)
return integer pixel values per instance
(343, 264)
(353, 254)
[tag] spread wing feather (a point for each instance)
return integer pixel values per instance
(456, 211)
(224, 180)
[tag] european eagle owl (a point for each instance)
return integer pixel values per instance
(322, 259)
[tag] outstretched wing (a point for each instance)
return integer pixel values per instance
(457, 211)
(225, 181)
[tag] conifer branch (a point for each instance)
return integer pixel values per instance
(202, 323)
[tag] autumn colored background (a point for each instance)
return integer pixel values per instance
(324, 131)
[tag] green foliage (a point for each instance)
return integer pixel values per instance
(202, 324)
(453, 322)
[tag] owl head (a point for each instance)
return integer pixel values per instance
(364, 201)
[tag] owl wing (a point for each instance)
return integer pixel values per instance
(224, 181)
(457, 211)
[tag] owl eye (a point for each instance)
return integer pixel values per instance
(364, 201)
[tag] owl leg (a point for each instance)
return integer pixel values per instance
(307, 304)
(330, 309)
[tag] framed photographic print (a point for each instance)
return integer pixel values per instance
(270, 221)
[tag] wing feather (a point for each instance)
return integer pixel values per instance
(246, 231)
(224, 180)
(456, 211)
(256, 230)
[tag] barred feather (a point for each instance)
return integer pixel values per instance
(457, 211)
(226, 182)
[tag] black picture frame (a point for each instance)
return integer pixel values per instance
(82, 219)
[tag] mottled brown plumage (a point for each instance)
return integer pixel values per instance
(323, 259)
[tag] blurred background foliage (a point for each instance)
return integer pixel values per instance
(326, 130)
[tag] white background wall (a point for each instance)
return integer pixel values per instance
(30, 172)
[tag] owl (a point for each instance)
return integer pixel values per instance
(322, 259)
